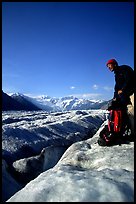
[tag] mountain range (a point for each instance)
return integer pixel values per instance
(18, 101)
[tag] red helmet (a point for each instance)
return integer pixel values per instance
(112, 61)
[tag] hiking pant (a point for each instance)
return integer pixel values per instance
(130, 112)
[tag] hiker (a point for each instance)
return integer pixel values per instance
(123, 89)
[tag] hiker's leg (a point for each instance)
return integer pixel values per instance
(130, 112)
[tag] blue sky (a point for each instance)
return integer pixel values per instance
(61, 48)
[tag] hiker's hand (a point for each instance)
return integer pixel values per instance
(114, 99)
(120, 92)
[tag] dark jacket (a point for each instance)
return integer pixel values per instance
(124, 80)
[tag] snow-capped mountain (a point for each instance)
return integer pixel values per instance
(17, 102)
(45, 103)
(68, 103)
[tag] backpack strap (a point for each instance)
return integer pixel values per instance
(115, 121)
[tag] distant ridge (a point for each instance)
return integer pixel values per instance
(13, 103)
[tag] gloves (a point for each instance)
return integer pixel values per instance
(114, 104)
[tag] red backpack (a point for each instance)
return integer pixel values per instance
(115, 128)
